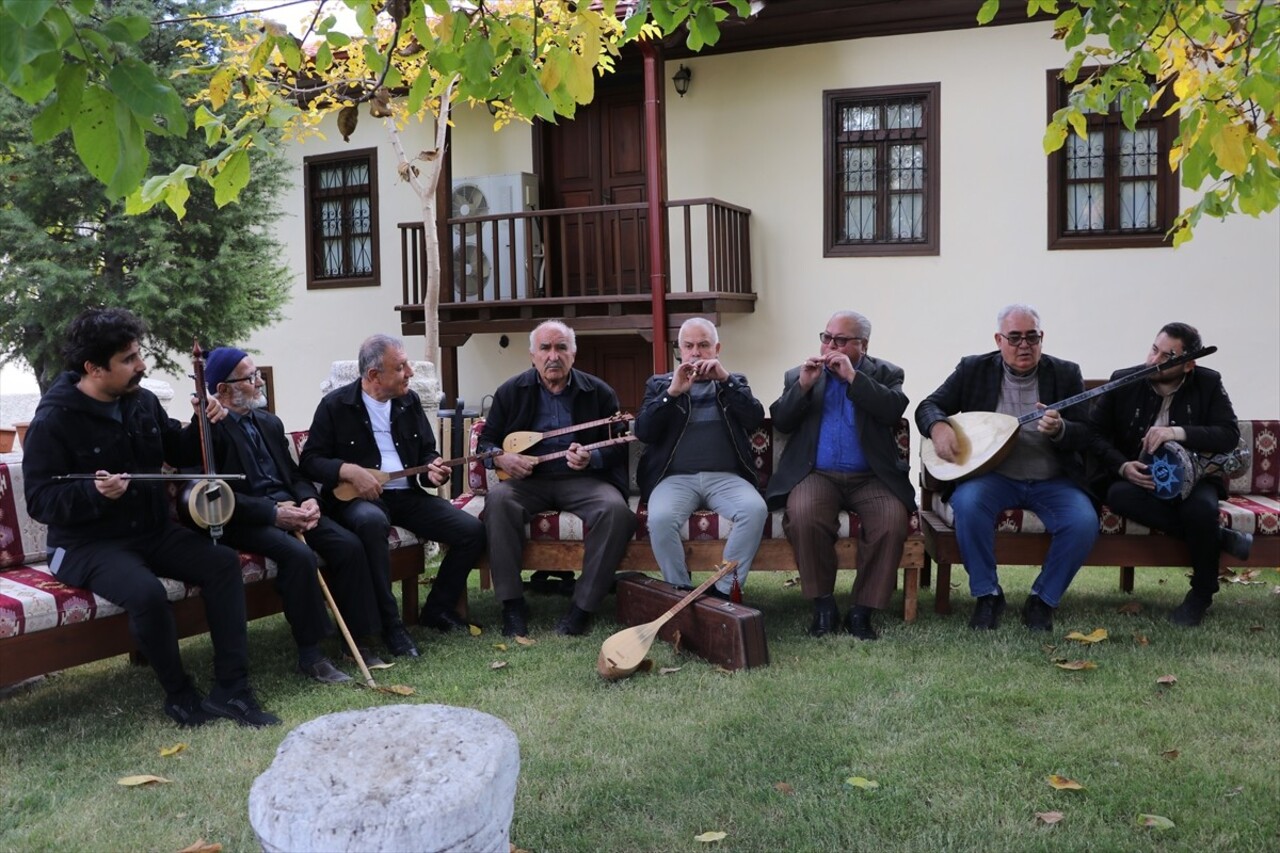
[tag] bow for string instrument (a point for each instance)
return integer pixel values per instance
(984, 439)
(207, 501)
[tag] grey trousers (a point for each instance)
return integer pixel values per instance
(678, 496)
(608, 526)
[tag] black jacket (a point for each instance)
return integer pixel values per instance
(879, 401)
(515, 405)
(1119, 419)
(71, 435)
(974, 386)
(341, 432)
(662, 421)
(231, 450)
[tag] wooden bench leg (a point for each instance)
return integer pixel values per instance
(942, 590)
(1126, 578)
(926, 572)
(409, 600)
(910, 594)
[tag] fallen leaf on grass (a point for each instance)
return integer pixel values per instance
(498, 664)
(1167, 680)
(1141, 639)
(397, 689)
(1075, 665)
(1256, 628)
(667, 670)
(502, 647)
(145, 779)
(386, 664)
(1236, 791)
(512, 848)
(526, 641)
(1155, 821)
(1275, 590)
(1049, 818)
(475, 630)
(675, 640)
(1130, 608)
(859, 782)
(201, 846)
(1097, 636)
(783, 788)
(789, 582)
(1170, 754)
(722, 670)
(167, 751)
(1062, 783)
(711, 836)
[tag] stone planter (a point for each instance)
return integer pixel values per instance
(21, 427)
(7, 435)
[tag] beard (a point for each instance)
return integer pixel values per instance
(255, 399)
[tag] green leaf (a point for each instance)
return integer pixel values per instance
(128, 29)
(57, 117)
(419, 92)
(988, 11)
(290, 50)
(131, 165)
(231, 178)
(144, 92)
(19, 47)
(705, 23)
(337, 39)
(1055, 135)
(39, 78)
(29, 12)
(324, 57)
(1155, 821)
(93, 131)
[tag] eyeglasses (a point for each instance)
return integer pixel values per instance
(252, 377)
(1016, 339)
(838, 340)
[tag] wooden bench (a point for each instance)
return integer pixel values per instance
(47, 626)
(1252, 506)
(555, 538)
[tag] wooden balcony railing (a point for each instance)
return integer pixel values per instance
(582, 253)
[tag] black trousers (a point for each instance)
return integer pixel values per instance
(127, 572)
(1193, 519)
(428, 517)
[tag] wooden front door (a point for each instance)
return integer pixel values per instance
(598, 158)
(624, 361)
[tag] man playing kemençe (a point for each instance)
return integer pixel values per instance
(113, 536)
(840, 409)
(1043, 473)
(1189, 405)
(275, 503)
(696, 423)
(591, 484)
(377, 422)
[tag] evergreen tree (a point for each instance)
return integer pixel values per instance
(215, 275)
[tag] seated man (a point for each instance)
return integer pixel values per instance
(276, 507)
(1044, 472)
(377, 423)
(696, 422)
(591, 484)
(840, 408)
(113, 535)
(1186, 404)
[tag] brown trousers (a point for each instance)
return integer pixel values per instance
(810, 525)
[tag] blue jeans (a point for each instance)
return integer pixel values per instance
(1068, 517)
(679, 495)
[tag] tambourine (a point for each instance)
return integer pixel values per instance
(1176, 470)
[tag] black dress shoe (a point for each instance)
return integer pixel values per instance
(184, 708)
(443, 619)
(399, 642)
(575, 623)
(324, 672)
(987, 610)
(239, 705)
(858, 623)
(1235, 543)
(1190, 612)
(515, 618)
(826, 617)
(1037, 615)
(371, 661)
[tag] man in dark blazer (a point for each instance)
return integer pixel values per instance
(376, 423)
(840, 409)
(274, 503)
(1186, 404)
(1044, 472)
(591, 484)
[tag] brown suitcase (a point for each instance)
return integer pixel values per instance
(727, 634)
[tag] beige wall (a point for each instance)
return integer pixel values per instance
(749, 132)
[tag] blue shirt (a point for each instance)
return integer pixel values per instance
(839, 446)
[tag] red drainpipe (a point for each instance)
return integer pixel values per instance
(655, 192)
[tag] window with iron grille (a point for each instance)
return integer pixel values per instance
(342, 219)
(1114, 188)
(881, 170)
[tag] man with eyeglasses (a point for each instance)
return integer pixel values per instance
(696, 422)
(274, 503)
(1187, 404)
(840, 409)
(1043, 473)
(377, 423)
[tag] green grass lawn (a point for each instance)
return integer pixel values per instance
(961, 730)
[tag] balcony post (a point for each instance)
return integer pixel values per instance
(656, 179)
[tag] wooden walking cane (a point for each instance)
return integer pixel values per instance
(342, 624)
(624, 651)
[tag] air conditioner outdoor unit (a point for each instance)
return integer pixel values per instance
(478, 257)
